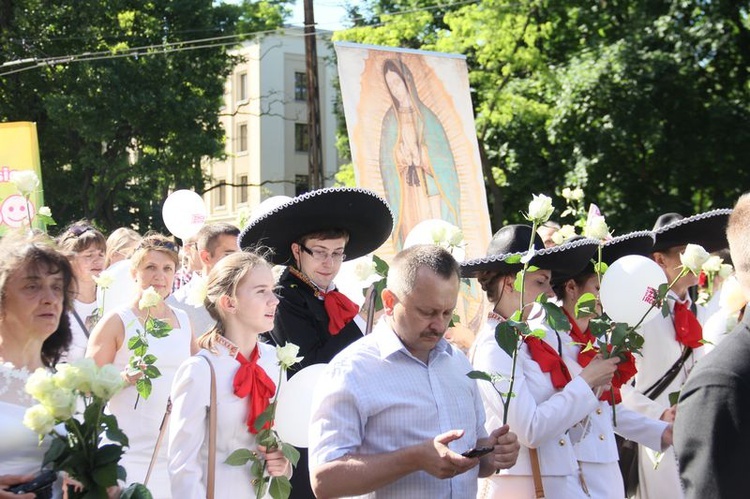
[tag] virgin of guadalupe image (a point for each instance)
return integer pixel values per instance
(416, 162)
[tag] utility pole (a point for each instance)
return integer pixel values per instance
(315, 153)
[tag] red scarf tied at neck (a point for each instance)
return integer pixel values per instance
(549, 360)
(251, 381)
(688, 330)
(340, 309)
(625, 369)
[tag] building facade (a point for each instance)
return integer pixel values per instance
(265, 120)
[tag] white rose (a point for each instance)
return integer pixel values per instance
(713, 264)
(39, 420)
(107, 383)
(61, 403)
(576, 194)
(198, 292)
(287, 355)
(104, 280)
(540, 209)
(25, 181)
(596, 228)
(364, 268)
(68, 377)
(40, 383)
(732, 297)
(694, 257)
(563, 234)
(567, 193)
(438, 234)
(455, 237)
(149, 298)
(86, 372)
(45, 211)
(725, 270)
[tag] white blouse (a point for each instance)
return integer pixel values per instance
(188, 427)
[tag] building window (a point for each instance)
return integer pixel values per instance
(301, 137)
(242, 188)
(242, 87)
(242, 138)
(220, 194)
(301, 184)
(300, 86)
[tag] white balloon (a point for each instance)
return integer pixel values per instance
(184, 213)
(628, 288)
(121, 292)
(294, 406)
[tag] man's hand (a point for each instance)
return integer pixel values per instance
(669, 414)
(441, 462)
(7, 481)
(505, 453)
(666, 437)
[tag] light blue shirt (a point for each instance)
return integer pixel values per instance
(376, 397)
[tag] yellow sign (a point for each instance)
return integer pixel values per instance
(19, 150)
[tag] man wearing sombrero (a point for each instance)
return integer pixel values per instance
(313, 234)
(672, 344)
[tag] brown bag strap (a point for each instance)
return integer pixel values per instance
(162, 430)
(536, 472)
(211, 478)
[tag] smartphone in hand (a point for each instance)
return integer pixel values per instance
(477, 452)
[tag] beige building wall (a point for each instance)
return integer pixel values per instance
(262, 116)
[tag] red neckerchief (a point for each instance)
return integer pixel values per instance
(340, 309)
(625, 369)
(251, 381)
(688, 330)
(549, 361)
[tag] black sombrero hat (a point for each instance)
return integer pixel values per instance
(362, 213)
(634, 243)
(513, 240)
(707, 229)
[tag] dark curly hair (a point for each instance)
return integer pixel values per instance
(40, 253)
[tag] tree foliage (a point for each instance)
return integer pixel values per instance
(644, 104)
(119, 130)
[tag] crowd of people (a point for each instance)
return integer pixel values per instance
(395, 413)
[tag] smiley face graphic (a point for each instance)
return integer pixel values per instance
(13, 211)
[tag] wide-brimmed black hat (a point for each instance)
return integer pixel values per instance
(634, 243)
(362, 213)
(511, 240)
(707, 229)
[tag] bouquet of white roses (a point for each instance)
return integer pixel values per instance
(78, 450)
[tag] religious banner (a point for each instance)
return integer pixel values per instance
(19, 150)
(412, 137)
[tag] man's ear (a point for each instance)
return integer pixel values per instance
(205, 257)
(389, 301)
(658, 257)
(295, 253)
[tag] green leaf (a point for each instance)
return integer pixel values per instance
(589, 346)
(556, 318)
(542, 298)
(665, 308)
(479, 375)
(661, 293)
(506, 337)
(117, 435)
(264, 417)
(105, 476)
(600, 268)
(379, 287)
(515, 317)
(531, 268)
(149, 359)
(280, 487)
(586, 305)
(55, 451)
(134, 342)
(513, 259)
(674, 397)
(121, 473)
(518, 283)
(152, 372)
(455, 319)
(143, 386)
(381, 267)
(538, 333)
(107, 454)
(619, 333)
(136, 491)
(46, 219)
(600, 326)
(290, 453)
(158, 328)
(240, 457)
(262, 486)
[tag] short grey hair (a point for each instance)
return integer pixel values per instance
(402, 273)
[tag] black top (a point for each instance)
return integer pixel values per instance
(712, 429)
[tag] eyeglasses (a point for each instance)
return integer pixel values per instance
(322, 256)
